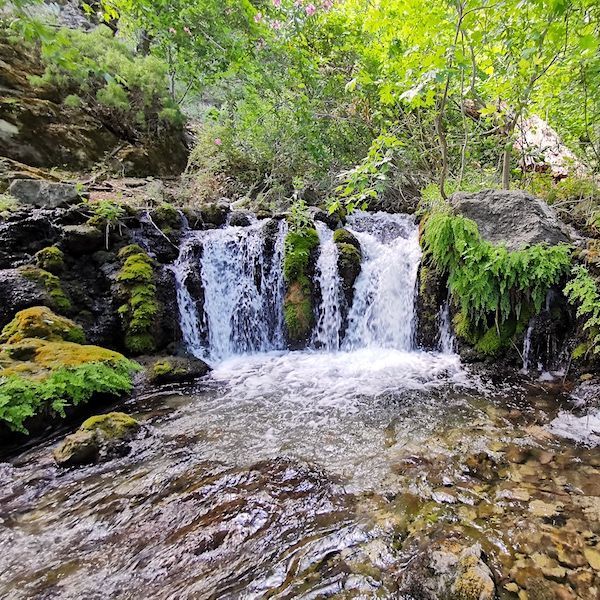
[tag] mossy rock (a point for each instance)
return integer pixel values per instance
(298, 312)
(299, 246)
(50, 259)
(176, 370)
(37, 359)
(40, 322)
(51, 283)
(343, 236)
(166, 216)
(99, 437)
(112, 425)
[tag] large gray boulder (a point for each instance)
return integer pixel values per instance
(44, 194)
(513, 218)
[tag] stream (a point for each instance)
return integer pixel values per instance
(323, 473)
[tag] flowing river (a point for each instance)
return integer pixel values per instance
(324, 473)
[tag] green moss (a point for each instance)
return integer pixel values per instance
(40, 322)
(166, 216)
(343, 236)
(136, 278)
(50, 259)
(298, 303)
(350, 253)
(51, 283)
(298, 247)
(112, 425)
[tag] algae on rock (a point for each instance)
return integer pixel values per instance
(40, 322)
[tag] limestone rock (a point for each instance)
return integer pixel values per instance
(44, 194)
(514, 218)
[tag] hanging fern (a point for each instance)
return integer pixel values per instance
(489, 281)
(583, 291)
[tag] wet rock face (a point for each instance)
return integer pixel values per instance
(176, 369)
(432, 292)
(18, 293)
(514, 218)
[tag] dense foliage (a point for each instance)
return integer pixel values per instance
(491, 285)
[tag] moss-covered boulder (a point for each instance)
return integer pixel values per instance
(215, 213)
(40, 322)
(140, 309)
(431, 296)
(349, 261)
(99, 438)
(175, 369)
(166, 217)
(298, 268)
(82, 239)
(50, 259)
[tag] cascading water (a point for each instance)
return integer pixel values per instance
(446, 342)
(242, 287)
(383, 312)
(329, 322)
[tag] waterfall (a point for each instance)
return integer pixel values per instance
(527, 347)
(383, 311)
(329, 322)
(446, 342)
(242, 287)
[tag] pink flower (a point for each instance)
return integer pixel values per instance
(298, 3)
(172, 30)
(327, 4)
(276, 25)
(187, 30)
(311, 9)
(218, 142)
(277, 3)
(258, 17)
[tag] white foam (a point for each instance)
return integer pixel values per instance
(583, 430)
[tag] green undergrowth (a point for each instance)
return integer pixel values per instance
(298, 303)
(140, 309)
(22, 398)
(497, 290)
(583, 292)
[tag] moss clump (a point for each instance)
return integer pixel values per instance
(40, 322)
(166, 216)
(298, 248)
(492, 285)
(298, 303)
(111, 425)
(343, 236)
(50, 259)
(165, 369)
(51, 283)
(136, 279)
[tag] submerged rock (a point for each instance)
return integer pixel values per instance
(513, 218)
(175, 369)
(99, 438)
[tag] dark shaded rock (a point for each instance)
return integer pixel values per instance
(514, 218)
(176, 369)
(239, 219)
(317, 214)
(44, 194)
(168, 329)
(431, 296)
(349, 265)
(99, 438)
(17, 293)
(216, 213)
(343, 236)
(81, 239)
(484, 466)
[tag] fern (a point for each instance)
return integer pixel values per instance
(583, 291)
(488, 281)
(22, 398)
